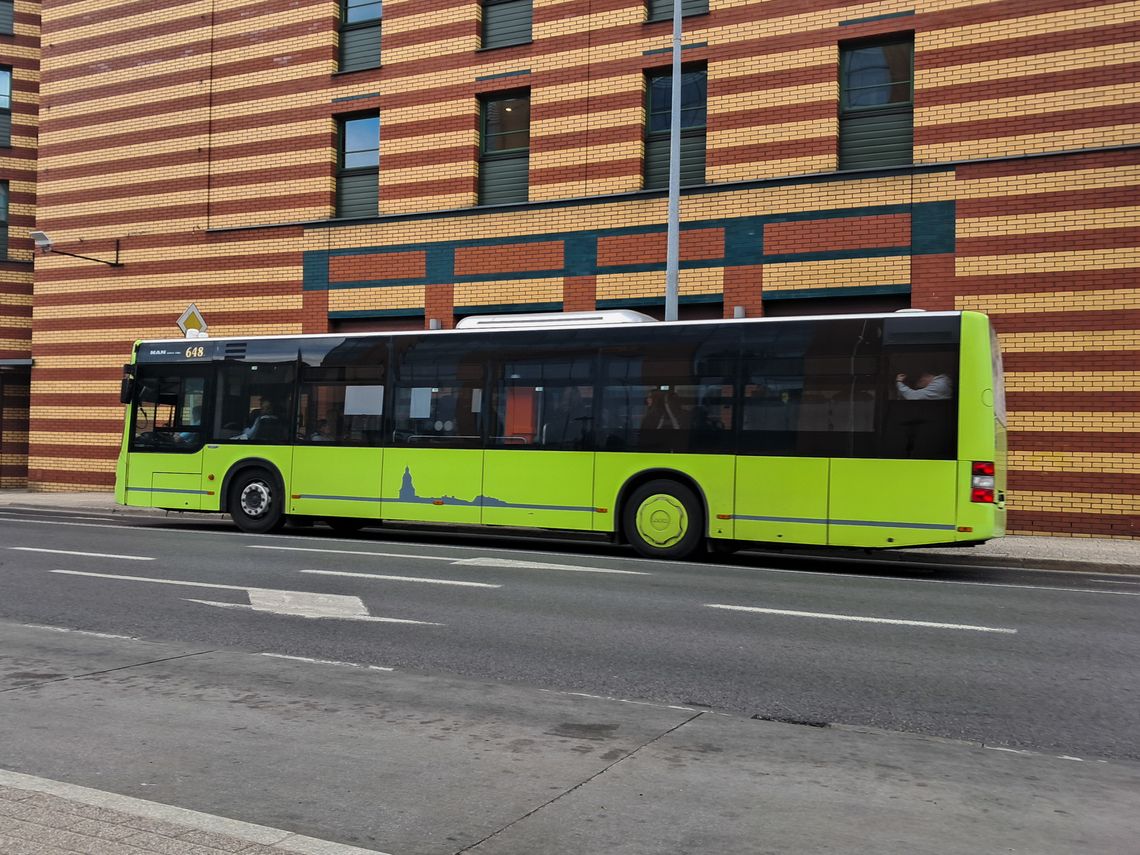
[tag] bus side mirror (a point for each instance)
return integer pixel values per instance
(127, 387)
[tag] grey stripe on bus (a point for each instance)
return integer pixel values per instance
(937, 526)
(164, 490)
(455, 503)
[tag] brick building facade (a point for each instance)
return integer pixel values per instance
(218, 145)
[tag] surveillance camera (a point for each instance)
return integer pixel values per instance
(43, 242)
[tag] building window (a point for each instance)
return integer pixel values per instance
(5, 106)
(662, 10)
(876, 103)
(506, 22)
(504, 148)
(694, 96)
(358, 175)
(359, 34)
(7, 24)
(3, 220)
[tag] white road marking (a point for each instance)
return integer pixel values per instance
(745, 567)
(470, 562)
(79, 631)
(327, 662)
(352, 552)
(540, 565)
(619, 700)
(1039, 754)
(1114, 582)
(84, 554)
(401, 578)
(860, 619)
(294, 603)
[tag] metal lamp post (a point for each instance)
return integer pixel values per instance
(673, 229)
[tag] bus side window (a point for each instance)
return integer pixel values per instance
(439, 394)
(543, 401)
(674, 396)
(255, 402)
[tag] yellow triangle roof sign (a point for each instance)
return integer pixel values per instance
(192, 319)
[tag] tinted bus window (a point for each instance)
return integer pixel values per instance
(668, 396)
(542, 399)
(920, 367)
(811, 388)
(438, 392)
(255, 402)
(342, 392)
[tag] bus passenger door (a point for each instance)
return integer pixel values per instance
(337, 454)
(337, 460)
(433, 468)
(535, 473)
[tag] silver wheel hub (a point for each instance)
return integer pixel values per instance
(255, 499)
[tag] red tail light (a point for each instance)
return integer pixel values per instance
(982, 482)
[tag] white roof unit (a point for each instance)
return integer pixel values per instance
(553, 320)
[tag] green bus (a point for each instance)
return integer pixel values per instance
(854, 431)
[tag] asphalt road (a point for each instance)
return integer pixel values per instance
(1019, 659)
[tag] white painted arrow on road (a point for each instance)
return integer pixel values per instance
(295, 603)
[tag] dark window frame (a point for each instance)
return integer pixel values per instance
(665, 12)
(847, 113)
(687, 133)
(347, 27)
(485, 36)
(5, 207)
(343, 171)
(7, 16)
(6, 109)
(518, 153)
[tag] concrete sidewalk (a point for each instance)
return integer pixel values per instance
(1086, 554)
(43, 817)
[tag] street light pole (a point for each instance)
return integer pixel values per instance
(673, 229)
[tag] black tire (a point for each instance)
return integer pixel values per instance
(345, 525)
(257, 502)
(672, 520)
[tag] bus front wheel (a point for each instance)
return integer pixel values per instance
(664, 519)
(256, 503)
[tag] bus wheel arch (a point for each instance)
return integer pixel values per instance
(253, 492)
(663, 513)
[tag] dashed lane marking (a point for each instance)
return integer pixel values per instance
(401, 578)
(512, 563)
(861, 619)
(350, 552)
(83, 554)
(327, 662)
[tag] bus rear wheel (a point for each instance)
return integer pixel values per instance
(664, 519)
(256, 503)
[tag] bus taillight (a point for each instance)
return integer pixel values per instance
(982, 482)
